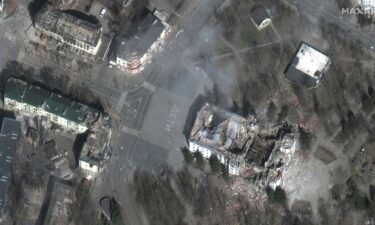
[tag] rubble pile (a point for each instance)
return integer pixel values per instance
(363, 164)
(94, 149)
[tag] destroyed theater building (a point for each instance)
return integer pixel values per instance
(221, 133)
(33, 101)
(260, 17)
(307, 66)
(241, 144)
(83, 34)
(9, 135)
(129, 54)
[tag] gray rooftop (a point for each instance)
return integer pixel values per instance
(8, 142)
(148, 31)
(67, 25)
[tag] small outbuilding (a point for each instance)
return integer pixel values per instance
(260, 16)
(307, 66)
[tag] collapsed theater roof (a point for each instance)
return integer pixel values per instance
(221, 130)
(240, 139)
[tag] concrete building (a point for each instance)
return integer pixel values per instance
(83, 34)
(33, 101)
(130, 54)
(88, 163)
(92, 154)
(307, 66)
(221, 133)
(9, 135)
(59, 205)
(260, 17)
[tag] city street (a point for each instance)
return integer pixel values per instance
(315, 9)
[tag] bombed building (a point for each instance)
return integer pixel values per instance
(307, 66)
(73, 31)
(131, 53)
(242, 144)
(33, 101)
(223, 134)
(9, 135)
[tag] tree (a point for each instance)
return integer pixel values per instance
(199, 160)
(344, 4)
(363, 19)
(116, 217)
(225, 172)
(305, 139)
(215, 164)
(276, 196)
(188, 156)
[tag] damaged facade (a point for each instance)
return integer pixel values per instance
(71, 32)
(33, 101)
(307, 66)
(130, 54)
(224, 134)
(93, 151)
(241, 144)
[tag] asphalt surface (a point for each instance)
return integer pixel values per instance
(152, 121)
(315, 9)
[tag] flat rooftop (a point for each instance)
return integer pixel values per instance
(147, 32)
(307, 66)
(69, 25)
(311, 61)
(8, 143)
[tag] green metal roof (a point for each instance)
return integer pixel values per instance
(14, 89)
(64, 107)
(51, 102)
(73, 115)
(56, 104)
(35, 96)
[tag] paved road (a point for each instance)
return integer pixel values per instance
(315, 9)
(141, 107)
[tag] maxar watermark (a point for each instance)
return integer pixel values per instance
(358, 11)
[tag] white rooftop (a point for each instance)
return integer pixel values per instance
(311, 61)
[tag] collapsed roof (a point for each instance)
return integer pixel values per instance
(68, 25)
(221, 130)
